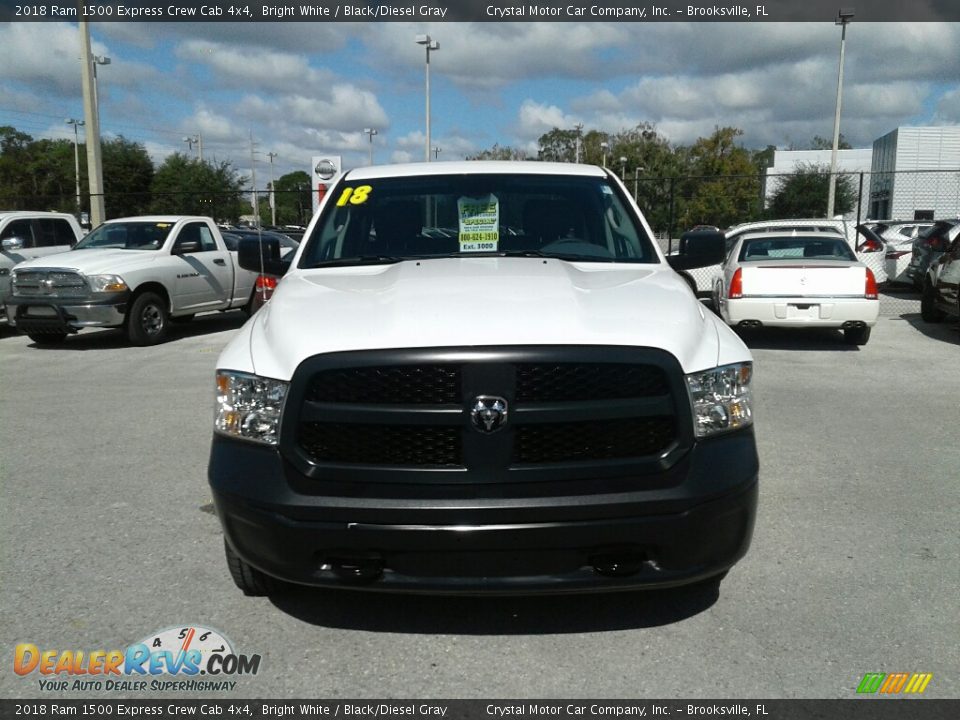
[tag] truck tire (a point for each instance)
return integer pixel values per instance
(253, 582)
(928, 308)
(856, 336)
(47, 338)
(147, 319)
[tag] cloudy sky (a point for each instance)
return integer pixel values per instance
(311, 88)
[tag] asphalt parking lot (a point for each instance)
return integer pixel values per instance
(107, 537)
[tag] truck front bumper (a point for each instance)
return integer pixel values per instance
(694, 525)
(35, 315)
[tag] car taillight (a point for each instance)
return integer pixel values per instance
(871, 246)
(894, 254)
(736, 285)
(870, 287)
(266, 282)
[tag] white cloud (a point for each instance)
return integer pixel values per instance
(534, 119)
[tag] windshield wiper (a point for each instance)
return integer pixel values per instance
(360, 260)
(569, 257)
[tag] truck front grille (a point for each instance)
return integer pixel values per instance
(600, 440)
(49, 284)
(569, 409)
(403, 445)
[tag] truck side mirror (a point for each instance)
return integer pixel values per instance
(12, 244)
(182, 247)
(699, 248)
(261, 255)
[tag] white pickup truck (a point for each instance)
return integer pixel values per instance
(27, 234)
(138, 273)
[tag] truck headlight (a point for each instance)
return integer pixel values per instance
(249, 406)
(721, 399)
(106, 283)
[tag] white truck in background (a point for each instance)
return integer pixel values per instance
(28, 234)
(138, 273)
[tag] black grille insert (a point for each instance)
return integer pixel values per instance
(407, 445)
(398, 385)
(599, 440)
(556, 382)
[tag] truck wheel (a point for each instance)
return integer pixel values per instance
(147, 320)
(47, 338)
(928, 308)
(856, 335)
(253, 582)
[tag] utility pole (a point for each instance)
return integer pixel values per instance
(436, 153)
(579, 127)
(76, 156)
(273, 192)
(253, 181)
(91, 114)
(370, 132)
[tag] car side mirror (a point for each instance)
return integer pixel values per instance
(186, 246)
(12, 244)
(261, 255)
(699, 248)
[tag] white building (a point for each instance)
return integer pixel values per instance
(915, 174)
(788, 162)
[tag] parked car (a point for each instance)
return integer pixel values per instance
(25, 235)
(928, 247)
(871, 255)
(809, 279)
(529, 401)
(941, 288)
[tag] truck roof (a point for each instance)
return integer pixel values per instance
(474, 167)
(159, 218)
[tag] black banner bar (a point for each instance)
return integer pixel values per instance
(439, 11)
(873, 708)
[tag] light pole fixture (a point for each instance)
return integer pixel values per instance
(429, 44)
(623, 167)
(436, 153)
(76, 154)
(844, 16)
(370, 132)
(604, 146)
(197, 140)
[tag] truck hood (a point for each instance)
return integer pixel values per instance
(95, 261)
(479, 301)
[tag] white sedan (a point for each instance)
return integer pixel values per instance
(808, 279)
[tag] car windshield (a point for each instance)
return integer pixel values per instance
(127, 236)
(795, 248)
(391, 219)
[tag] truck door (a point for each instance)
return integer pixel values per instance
(204, 271)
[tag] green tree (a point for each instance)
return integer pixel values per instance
(498, 152)
(183, 185)
(822, 143)
(724, 184)
(558, 146)
(804, 194)
(127, 177)
(292, 195)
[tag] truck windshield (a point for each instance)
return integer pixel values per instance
(127, 235)
(391, 219)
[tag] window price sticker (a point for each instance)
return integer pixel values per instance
(479, 223)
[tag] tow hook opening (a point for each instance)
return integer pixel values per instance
(750, 324)
(355, 569)
(618, 563)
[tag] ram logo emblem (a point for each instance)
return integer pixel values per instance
(489, 413)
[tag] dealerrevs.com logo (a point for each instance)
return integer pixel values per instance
(894, 683)
(182, 658)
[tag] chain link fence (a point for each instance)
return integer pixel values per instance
(671, 205)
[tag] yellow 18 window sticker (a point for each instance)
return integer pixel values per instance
(355, 196)
(479, 223)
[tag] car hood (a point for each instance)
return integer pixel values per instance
(480, 301)
(94, 261)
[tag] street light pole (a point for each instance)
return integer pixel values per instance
(844, 16)
(91, 115)
(429, 45)
(576, 156)
(604, 146)
(623, 167)
(436, 153)
(76, 155)
(370, 132)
